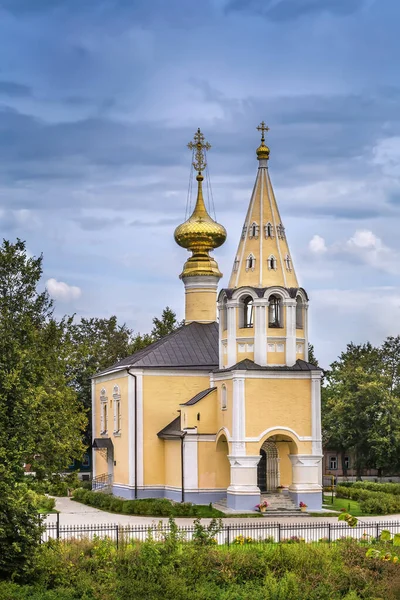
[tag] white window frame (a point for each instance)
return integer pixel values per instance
(288, 262)
(272, 263)
(224, 398)
(236, 265)
(250, 262)
(333, 460)
(117, 410)
(103, 412)
(269, 231)
(280, 230)
(244, 231)
(254, 230)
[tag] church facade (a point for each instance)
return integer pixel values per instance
(227, 406)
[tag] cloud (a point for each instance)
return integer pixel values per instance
(317, 245)
(62, 291)
(363, 247)
(10, 88)
(285, 10)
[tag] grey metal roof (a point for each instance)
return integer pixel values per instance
(198, 397)
(249, 365)
(172, 430)
(193, 346)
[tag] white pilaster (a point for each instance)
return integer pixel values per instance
(260, 336)
(305, 324)
(290, 305)
(221, 307)
(131, 430)
(94, 432)
(316, 412)
(238, 417)
(231, 322)
(140, 466)
(244, 475)
(190, 460)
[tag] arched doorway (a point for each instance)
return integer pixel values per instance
(268, 467)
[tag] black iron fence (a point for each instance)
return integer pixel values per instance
(241, 533)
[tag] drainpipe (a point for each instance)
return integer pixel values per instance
(135, 429)
(182, 466)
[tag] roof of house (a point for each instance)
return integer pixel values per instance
(249, 365)
(198, 397)
(193, 346)
(172, 430)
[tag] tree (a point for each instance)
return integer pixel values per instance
(311, 356)
(167, 324)
(359, 411)
(41, 421)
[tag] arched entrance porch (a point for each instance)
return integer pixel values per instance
(268, 467)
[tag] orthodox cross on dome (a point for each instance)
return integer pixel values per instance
(199, 147)
(262, 127)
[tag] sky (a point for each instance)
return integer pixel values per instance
(98, 99)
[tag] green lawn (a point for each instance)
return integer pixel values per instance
(351, 506)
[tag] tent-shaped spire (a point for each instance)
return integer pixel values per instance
(263, 258)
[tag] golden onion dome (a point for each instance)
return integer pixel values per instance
(200, 232)
(262, 152)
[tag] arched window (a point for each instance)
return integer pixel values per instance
(103, 412)
(236, 264)
(248, 312)
(280, 230)
(275, 311)
(269, 231)
(117, 409)
(250, 263)
(272, 263)
(253, 231)
(224, 401)
(224, 315)
(299, 313)
(288, 262)
(244, 230)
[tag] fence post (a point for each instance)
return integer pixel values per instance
(58, 526)
(377, 530)
(228, 531)
(279, 532)
(329, 532)
(117, 534)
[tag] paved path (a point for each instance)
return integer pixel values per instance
(75, 513)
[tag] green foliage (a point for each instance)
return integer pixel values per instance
(371, 502)
(157, 507)
(361, 405)
(173, 570)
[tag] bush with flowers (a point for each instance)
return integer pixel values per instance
(241, 540)
(262, 507)
(303, 505)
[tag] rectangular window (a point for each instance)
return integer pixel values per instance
(346, 462)
(117, 413)
(104, 417)
(333, 462)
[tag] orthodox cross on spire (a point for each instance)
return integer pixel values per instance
(199, 147)
(262, 127)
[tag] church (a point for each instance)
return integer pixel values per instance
(227, 407)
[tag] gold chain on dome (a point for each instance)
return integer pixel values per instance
(200, 146)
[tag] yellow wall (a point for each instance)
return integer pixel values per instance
(121, 441)
(276, 358)
(285, 465)
(162, 396)
(207, 409)
(272, 402)
(200, 305)
(173, 467)
(214, 469)
(224, 417)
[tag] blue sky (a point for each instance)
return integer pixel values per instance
(98, 99)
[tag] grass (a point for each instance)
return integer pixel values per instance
(45, 511)
(351, 506)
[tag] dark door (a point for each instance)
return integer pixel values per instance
(262, 472)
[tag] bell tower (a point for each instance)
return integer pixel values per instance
(200, 234)
(263, 313)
